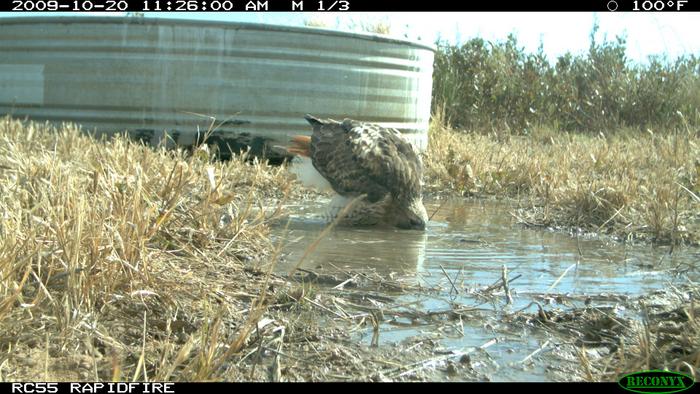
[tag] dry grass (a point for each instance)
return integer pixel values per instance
(659, 330)
(625, 184)
(119, 261)
(668, 338)
(124, 262)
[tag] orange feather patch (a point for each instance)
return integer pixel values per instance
(301, 145)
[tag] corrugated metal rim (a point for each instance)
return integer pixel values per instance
(228, 25)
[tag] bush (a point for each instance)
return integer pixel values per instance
(481, 84)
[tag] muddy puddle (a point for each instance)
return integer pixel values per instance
(457, 264)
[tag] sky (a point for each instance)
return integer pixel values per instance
(669, 34)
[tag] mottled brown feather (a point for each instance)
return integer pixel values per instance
(363, 158)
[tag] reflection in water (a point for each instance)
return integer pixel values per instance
(470, 241)
(541, 257)
(387, 250)
(477, 238)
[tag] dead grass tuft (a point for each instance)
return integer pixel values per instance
(624, 184)
(119, 261)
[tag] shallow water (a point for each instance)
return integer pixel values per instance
(470, 241)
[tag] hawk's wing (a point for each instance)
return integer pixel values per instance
(358, 158)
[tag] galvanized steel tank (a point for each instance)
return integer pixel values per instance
(150, 75)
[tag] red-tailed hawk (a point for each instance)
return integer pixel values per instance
(367, 160)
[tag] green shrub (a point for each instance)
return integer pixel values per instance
(497, 85)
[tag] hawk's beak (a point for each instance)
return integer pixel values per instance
(417, 224)
(412, 224)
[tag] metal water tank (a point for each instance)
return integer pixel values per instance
(152, 75)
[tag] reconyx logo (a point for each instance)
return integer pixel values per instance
(656, 382)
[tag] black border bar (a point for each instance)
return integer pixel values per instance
(640, 6)
(198, 388)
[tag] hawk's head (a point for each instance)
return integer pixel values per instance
(411, 214)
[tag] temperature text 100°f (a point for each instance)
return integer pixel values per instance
(658, 5)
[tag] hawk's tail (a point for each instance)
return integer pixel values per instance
(301, 145)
